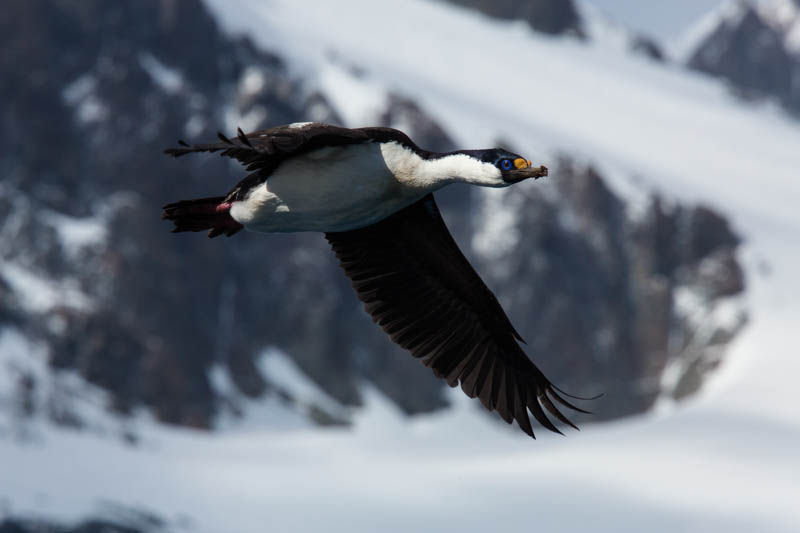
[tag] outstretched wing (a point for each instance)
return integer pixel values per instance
(418, 286)
(262, 151)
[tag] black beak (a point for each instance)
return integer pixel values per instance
(519, 174)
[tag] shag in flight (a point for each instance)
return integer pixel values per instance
(370, 190)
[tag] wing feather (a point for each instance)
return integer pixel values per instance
(418, 286)
(261, 152)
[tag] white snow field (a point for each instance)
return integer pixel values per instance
(728, 460)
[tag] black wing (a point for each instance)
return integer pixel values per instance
(262, 151)
(418, 286)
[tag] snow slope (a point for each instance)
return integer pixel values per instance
(727, 461)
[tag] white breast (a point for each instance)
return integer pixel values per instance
(334, 189)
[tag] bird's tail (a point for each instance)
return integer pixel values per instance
(211, 214)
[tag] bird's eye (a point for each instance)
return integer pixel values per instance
(506, 164)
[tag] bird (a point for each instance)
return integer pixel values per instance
(370, 191)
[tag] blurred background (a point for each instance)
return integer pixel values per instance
(154, 382)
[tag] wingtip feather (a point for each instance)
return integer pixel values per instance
(565, 403)
(553, 410)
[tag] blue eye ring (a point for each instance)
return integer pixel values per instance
(506, 164)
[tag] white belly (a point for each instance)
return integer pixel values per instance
(331, 189)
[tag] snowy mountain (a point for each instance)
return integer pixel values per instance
(625, 270)
(754, 46)
(83, 234)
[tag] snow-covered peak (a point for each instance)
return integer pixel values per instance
(729, 13)
(781, 15)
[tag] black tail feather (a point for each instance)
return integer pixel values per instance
(211, 214)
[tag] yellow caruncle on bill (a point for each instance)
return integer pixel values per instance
(521, 163)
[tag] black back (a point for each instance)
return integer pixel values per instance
(262, 151)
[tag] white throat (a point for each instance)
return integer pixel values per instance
(431, 174)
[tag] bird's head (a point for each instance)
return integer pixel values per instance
(494, 167)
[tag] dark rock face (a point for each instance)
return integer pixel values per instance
(116, 519)
(548, 16)
(88, 526)
(750, 52)
(403, 113)
(96, 90)
(92, 111)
